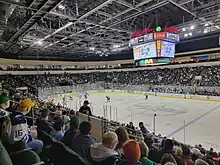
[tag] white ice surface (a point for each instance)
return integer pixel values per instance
(171, 114)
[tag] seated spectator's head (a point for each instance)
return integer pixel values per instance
(110, 140)
(203, 151)
(140, 136)
(149, 141)
(131, 151)
(144, 149)
(72, 113)
(85, 127)
(4, 101)
(25, 106)
(178, 151)
(200, 162)
(74, 122)
(64, 112)
(58, 125)
(186, 151)
(141, 124)
(122, 136)
(45, 113)
(168, 145)
(131, 124)
(168, 159)
(86, 103)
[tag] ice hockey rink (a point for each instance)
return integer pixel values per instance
(192, 121)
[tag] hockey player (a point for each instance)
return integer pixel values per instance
(146, 96)
(86, 95)
(108, 98)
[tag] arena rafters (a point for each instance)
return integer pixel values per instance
(63, 29)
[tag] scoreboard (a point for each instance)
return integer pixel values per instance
(159, 44)
(154, 49)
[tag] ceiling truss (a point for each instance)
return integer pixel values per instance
(79, 28)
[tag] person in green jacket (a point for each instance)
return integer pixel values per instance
(144, 154)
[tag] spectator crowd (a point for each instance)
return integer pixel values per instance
(200, 76)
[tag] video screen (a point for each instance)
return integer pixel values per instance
(167, 49)
(144, 51)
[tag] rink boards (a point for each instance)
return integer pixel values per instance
(164, 95)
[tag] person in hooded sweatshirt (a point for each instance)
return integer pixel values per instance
(132, 153)
(104, 152)
(82, 142)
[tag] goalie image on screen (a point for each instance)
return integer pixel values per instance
(144, 51)
(167, 49)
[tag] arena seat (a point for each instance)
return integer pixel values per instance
(45, 137)
(25, 157)
(58, 153)
(63, 155)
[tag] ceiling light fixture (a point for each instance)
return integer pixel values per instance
(183, 29)
(61, 7)
(192, 27)
(186, 35)
(40, 42)
(217, 27)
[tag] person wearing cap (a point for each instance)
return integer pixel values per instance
(20, 131)
(85, 109)
(4, 103)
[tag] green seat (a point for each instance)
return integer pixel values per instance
(25, 157)
(4, 157)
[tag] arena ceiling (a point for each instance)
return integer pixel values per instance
(77, 29)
